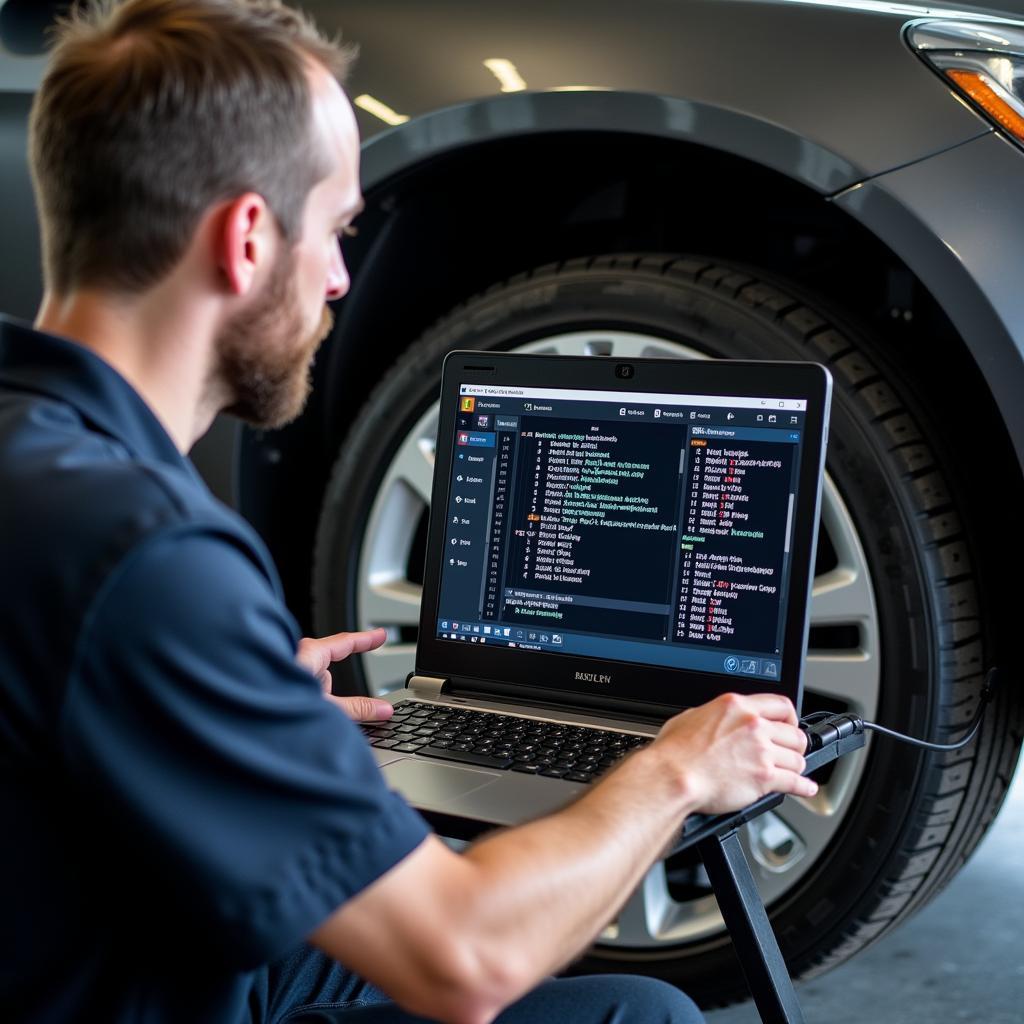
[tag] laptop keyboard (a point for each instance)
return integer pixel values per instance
(507, 742)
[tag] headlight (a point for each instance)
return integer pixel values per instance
(983, 61)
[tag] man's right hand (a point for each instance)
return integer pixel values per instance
(734, 750)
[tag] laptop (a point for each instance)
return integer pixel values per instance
(609, 544)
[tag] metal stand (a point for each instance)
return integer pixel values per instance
(751, 932)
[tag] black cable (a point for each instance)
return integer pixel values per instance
(822, 728)
(913, 741)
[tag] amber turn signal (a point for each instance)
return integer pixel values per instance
(977, 87)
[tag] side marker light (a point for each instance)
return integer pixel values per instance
(978, 87)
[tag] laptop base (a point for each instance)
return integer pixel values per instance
(718, 844)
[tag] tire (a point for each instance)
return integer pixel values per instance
(910, 651)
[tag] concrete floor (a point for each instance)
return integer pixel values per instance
(959, 959)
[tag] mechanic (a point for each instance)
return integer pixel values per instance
(195, 830)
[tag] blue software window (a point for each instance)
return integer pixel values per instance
(651, 528)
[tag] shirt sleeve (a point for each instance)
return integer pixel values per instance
(255, 804)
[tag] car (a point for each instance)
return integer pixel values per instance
(783, 179)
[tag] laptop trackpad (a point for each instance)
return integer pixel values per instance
(422, 783)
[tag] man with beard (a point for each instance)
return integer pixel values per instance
(193, 830)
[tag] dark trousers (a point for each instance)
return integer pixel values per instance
(309, 988)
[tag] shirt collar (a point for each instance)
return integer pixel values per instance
(32, 360)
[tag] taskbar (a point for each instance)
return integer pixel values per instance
(671, 655)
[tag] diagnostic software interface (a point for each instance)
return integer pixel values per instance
(629, 527)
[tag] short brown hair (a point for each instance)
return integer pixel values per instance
(153, 110)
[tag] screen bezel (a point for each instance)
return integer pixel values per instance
(656, 685)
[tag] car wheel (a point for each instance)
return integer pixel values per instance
(896, 632)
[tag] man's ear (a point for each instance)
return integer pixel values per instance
(245, 238)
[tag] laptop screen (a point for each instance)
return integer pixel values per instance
(622, 526)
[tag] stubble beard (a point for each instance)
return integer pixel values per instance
(263, 369)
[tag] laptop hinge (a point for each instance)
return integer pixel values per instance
(629, 710)
(425, 686)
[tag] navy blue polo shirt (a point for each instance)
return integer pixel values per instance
(179, 804)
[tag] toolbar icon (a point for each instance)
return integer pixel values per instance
(467, 404)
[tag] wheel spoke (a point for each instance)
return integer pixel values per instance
(812, 820)
(838, 523)
(651, 917)
(387, 667)
(620, 344)
(392, 603)
(639, 922)
(415, 466)
(850, 678)
(840, 597)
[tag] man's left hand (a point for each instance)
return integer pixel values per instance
(316, 654)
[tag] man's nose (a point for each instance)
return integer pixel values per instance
(337, 274)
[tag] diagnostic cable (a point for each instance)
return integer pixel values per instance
(822, 727)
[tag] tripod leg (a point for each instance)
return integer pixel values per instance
(751, 932)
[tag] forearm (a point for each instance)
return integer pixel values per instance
(470, 934)
(553, 884)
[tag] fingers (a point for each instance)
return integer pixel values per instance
(365, 709)
(316, 654)
(773, 706)
(341, 645)
(792, 783)
(310, 656)
(788, 760)
(788, 746)
(788, 736)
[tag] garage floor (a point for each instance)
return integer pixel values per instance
(961, 958)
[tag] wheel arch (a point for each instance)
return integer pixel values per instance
(453, 209)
